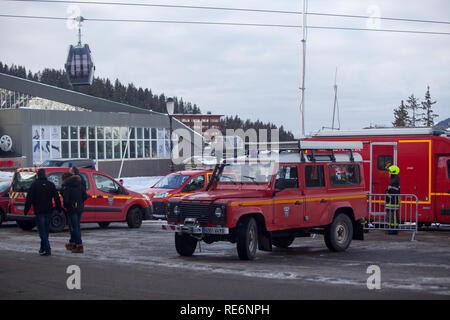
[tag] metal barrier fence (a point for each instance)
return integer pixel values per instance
(392, 214)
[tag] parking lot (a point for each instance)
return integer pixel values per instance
(123, 263)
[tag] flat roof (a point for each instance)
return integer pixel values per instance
(65, 96)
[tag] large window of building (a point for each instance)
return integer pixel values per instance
(100, 143)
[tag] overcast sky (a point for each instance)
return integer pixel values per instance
(254, 72)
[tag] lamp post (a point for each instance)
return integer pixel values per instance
(170, 106)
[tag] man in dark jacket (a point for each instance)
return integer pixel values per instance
(40, 195)
(74, 195)
(392, 199)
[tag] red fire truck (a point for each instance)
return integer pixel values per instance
(423, 156)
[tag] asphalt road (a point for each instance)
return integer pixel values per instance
(122, 263)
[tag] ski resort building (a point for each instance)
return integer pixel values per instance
(39, 122)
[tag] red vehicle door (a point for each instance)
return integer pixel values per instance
(289, 202)
(110, 199)
(382, 155)
(316, 196)
(442, 195)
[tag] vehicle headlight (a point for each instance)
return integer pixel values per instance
(176, 210)
(161, 195)
(218, 212)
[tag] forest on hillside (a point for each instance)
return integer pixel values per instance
(139, 97)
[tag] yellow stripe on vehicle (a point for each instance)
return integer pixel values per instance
(255, 203)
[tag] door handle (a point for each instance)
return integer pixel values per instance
(323, 201)
(298, 203)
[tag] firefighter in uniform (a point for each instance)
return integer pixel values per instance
(392, 203)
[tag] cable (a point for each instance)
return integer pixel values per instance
(228, 24)
(230, 9)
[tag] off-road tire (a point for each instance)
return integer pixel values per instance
(338, 235)
(247, 239)
(283, 242)
(185, 244)
(134, 218)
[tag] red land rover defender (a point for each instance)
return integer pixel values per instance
(108, 201)
(310, 190)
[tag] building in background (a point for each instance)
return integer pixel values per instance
(43, 122)
(200, 123)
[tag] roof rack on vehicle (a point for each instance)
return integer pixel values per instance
(331, 146)
(308, 148)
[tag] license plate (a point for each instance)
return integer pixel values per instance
(213, 230)
(20, 207)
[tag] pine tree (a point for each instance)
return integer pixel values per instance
(401, 117)
(413, 105)
(428, 115)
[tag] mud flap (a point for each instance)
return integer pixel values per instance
(264, 241)
(358, 230)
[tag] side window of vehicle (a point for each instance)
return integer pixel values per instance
(196, 183)
(383, 162)
(448, 168)
(106, 184)
(345, 174)
(288, 175)
(56, 179)
(86, 180)
(314, 177)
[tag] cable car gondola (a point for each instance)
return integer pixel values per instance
(80, 66)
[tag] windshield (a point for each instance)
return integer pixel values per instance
(51, 163)
(172, 181)
(248, 172)
(4, 187)
(22, 181)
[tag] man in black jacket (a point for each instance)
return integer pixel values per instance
(40, 196)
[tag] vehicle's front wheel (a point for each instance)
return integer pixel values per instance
(185, 244)
(134, 218)
(339, 233)
(57, 221)
(247, 239)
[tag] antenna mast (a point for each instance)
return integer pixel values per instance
(302, 104)
(336, 105)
